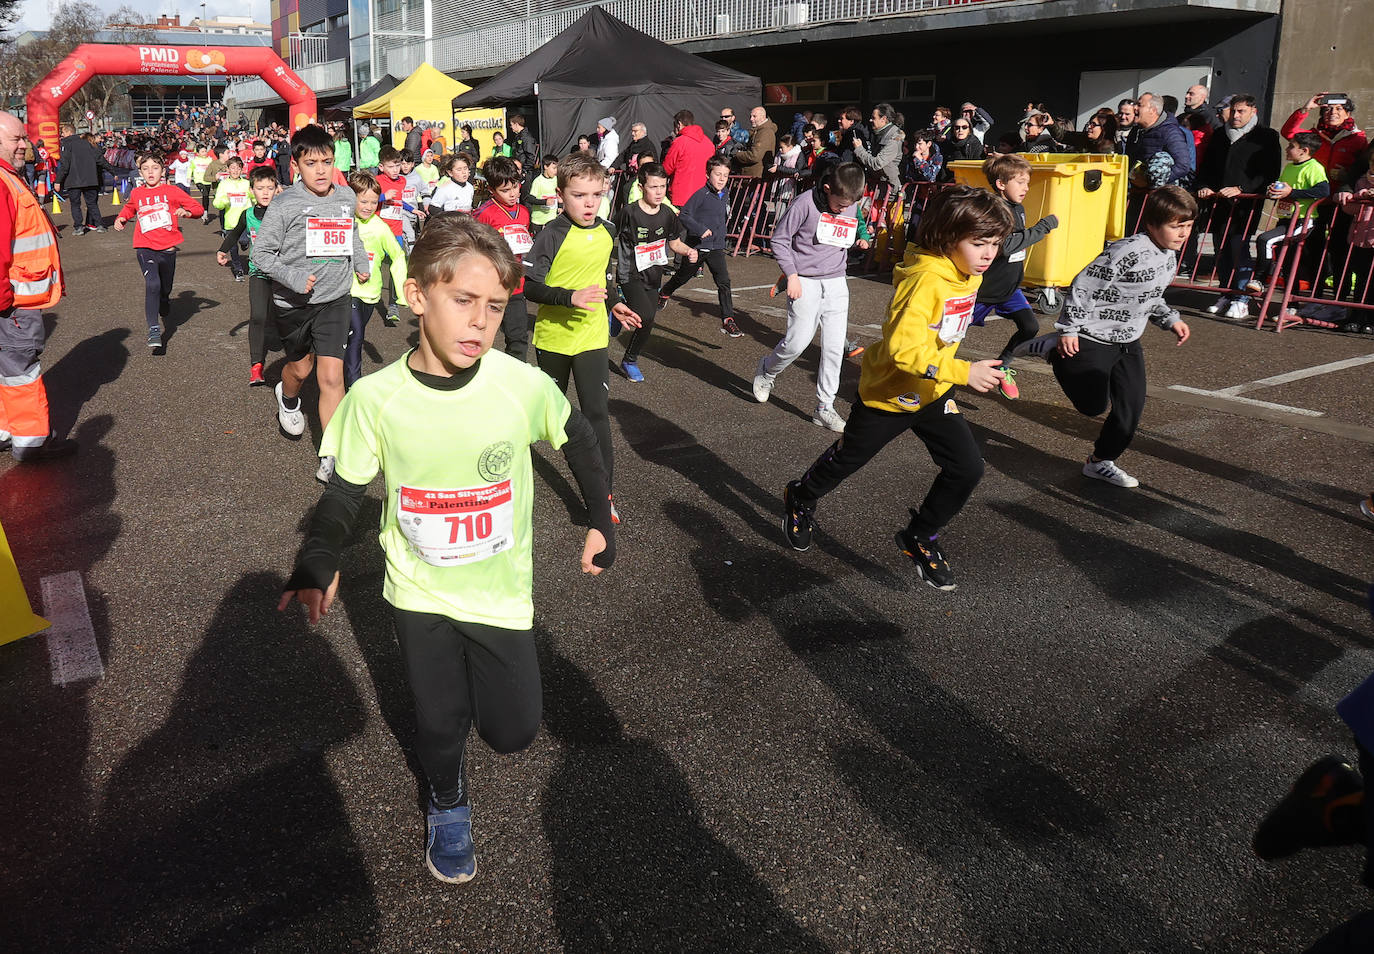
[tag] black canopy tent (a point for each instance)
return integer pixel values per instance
(380, 88)
(601, 66)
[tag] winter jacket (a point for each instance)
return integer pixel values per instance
(685, 161)
(368, 151)
(884, 155)
(609, 144)
(628, 159)
(415, 142)
(1250, 163)
(1004, 275)
(343, 155)
(81, 165)
(1167, 136)
(471, 149)
(1338, 152)
(706, 211)
(757, 154)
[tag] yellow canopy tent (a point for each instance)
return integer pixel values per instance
(427, 97)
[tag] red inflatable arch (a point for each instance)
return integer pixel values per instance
(107, 59)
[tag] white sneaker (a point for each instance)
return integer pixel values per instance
(1108, 471)
(1042, 347)
(827, 417)
(763, 384)
(1222, 303)
(292, 422)
(1240, 308)
(326, 470)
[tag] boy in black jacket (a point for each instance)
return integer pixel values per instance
(705, 215)
(1000, 291)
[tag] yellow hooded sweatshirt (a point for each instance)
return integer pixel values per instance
(914, 363)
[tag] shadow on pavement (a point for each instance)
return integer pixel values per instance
(635, 868)
(80, 373)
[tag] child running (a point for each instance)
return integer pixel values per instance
(261, 328)
(157, 206)
(646, 229)
(393, 184)
(232, 198)
(367, 296)
(414, 197)
(705, 216)
(310, 250)
(448, 426)
(811, 243)
(543, 194)
(1096, 350)
(504, 213)
(907, 376)
(565, 275)
(1000, 291)
(454, 193)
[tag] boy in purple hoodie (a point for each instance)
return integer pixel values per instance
(811, 243)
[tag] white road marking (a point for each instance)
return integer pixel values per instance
(1291, 376)
(72, 650)
(1231, 396)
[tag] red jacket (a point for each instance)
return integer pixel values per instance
(144, 202)
(1337, 154)
(514, 226)
(390, 205)
(685, 161)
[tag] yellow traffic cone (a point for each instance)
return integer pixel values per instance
(56, 206)
(115, 204)
(17, 618)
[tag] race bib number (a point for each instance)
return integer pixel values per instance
(955, 321)
(837, 231)
(238, 200)
(221, 176)
(371, 259)
(392, 212)
(328, 238)
(157, 217)
(408, 196)
(518, 237)
(1017, 256)
(650, 254)
(453, 527)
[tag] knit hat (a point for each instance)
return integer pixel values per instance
(608, 122)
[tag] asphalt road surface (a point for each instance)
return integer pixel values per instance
(744, 748)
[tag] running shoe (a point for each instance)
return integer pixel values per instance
(1367, 506)
(255, 378)
(1240, 308)
(828, 418)
(728, 327)
(392, 318)
(240, 277)
(929, 559)
(1042, 347)
(1008, 383)
(325, 470)
(100, 228)
(155, 339)
(852, 349)
(1254, 287)
(632, 371)
(615, 514)
(449, 854)
(799, 522)
(1222, 303)
(1108, 471)
(763, 383)
(292, 422)
(1304, 817)
(79, 230)
(778, 287)
(662, 300)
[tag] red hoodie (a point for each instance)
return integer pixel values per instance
(685, 161)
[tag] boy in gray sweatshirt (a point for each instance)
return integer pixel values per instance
(309, 249)
(1096, 350)
(811, 243)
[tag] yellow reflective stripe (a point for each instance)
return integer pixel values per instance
(31, 243)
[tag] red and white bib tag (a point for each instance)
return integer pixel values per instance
(453, 527)
(957, 315)
(154, 217)
(837, 231)
(650, 254)
(518, 237)
(328, 238)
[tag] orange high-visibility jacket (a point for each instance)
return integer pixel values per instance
(35, 270)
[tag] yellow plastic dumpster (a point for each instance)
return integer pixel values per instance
(1086, 192)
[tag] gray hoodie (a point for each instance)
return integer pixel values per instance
(279, 251)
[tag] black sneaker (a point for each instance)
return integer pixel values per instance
(662, 300)
(79, 230)
(391, 319)
(155, 339)
(728, 327)
(1304, 818)
(800, 521)
(929, 559)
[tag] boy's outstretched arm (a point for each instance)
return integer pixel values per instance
(315, 580)
(584, 459)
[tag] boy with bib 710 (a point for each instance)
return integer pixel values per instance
(811, 243)
(449, 426)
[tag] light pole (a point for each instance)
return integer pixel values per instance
(207, 75)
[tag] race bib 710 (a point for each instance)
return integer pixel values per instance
(453, 527)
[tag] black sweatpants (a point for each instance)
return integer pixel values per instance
(940, 427)
(589, 370)
(159, 269)
(515, 327)
(1102, 376)
(720, 274)
(642, 297)
(1027, 327)
(91, 219)
(262, 330)
(358, 317)
(463, 675)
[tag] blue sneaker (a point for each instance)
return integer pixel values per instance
(616, 326)
(632, 371)
(449, 854)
